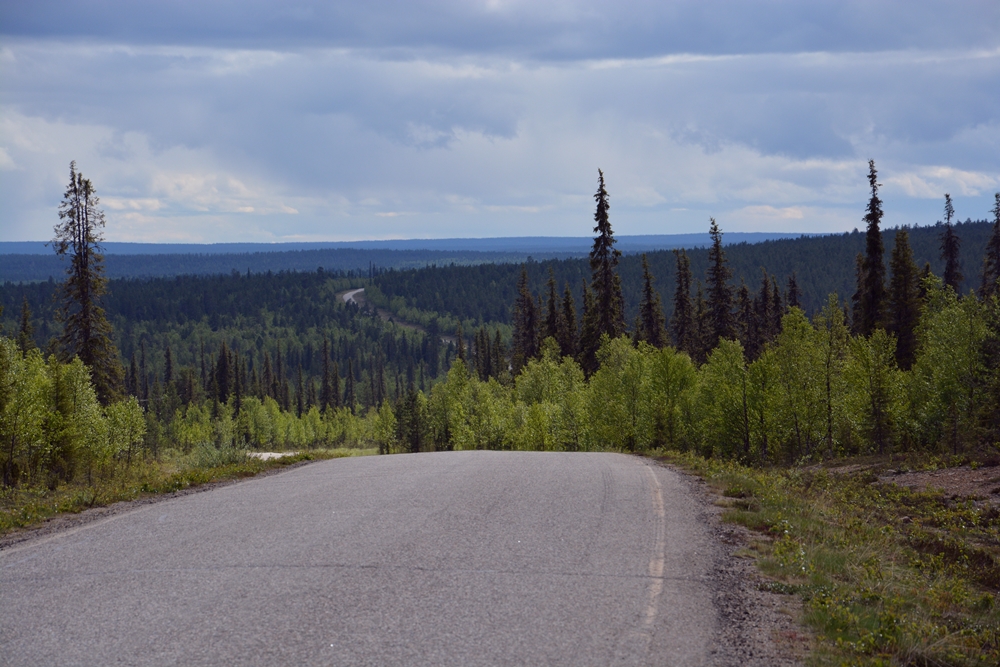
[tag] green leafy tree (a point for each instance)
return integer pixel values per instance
(672, 381)
(87, 333)
(877, 388)
(870, 297)
(26, 333)
(619, 396)
(833, 344)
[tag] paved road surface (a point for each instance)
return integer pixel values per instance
(465, 558)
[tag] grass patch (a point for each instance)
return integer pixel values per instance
(22, 507)
(887, 575)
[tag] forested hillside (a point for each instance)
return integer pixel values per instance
(821, 265)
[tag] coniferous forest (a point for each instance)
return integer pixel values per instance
(787, 351)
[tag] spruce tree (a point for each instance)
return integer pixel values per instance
(223, 374)
(525, 320)
(682, 324)
(567, 322)
(794, 295)
(26, 333)
(702, 327)
(335, 386)
(168, 366)
(651, 327)
(550, 327)
(590, 337)
(746, 325)
(326, 387)
(871, 297)
(720, 293)
(777, 308)
(904, 300)
(991, 261)
(605, 282)
(950, 246)
(349, 398)
(763, 315)
(87, 332)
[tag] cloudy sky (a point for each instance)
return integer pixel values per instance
(311, 120)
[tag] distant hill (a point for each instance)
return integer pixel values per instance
(822, 264)
(512, 244)
(34, 260)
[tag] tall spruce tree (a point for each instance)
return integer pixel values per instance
(87, 332)
(550, 327)
(950, 247)
(605, 282)
(720, 292)
(567, 333)
(525, 320)
(746, 325)
(904, 300)
(651, 320)
(870, 296)
(991, 261)
(326, 386)
(702, 327)
(682, 324)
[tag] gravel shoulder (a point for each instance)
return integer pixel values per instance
(757, 627)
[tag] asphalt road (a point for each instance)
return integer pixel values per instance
(465, 558)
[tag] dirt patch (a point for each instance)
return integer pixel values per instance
(66, 521)
(757, 627)
(964, 481)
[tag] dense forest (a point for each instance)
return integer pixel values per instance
(34, 267)
(821, 264)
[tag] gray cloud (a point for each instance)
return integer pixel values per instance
(451, 119)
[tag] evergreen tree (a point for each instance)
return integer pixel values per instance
(950, 246)
(871, 297)
(605, 282)
(590, 336)
(168, 366)
(567, 322)
(682, 324)
(223, 374)
(26, 334)
(300, 392)
(746, 324)
(349, 397)
(335, 386)
(764, 314)
(326, 386)
(651, 321)
(525, 318)
(991, 261)
(551, 326)
(460, 343)
(777, 308)
(87, 332)
(720, 293)
(702, 327)
(793, 292)
(904, 301)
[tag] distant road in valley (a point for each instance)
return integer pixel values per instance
(456, 558)
(357, 297)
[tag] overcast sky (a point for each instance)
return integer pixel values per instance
(310, 120)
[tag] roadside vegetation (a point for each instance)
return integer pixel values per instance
(887, 575)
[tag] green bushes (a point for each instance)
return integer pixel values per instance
(52, 427)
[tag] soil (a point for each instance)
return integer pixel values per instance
(981, 484)
(757, 627)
